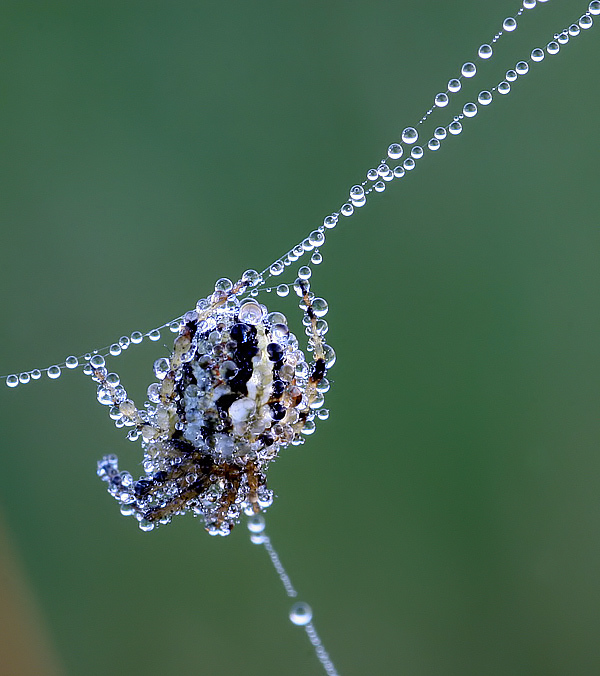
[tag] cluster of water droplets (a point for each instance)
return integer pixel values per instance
(401, 159)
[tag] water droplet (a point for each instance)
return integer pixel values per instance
(441, 100)
(304, 272)
(552, 48)
(433, 144)
(484, 52)
(54, 372)
(146, 525)
(223, 284)
(394, 152)
(503, 88)
(586, 22)
(316, 238)
(115, 349)
(522, 68)
(283, 290)
(594, 7)
(537, 55)
(484, 98)
(124, 342)
(251, 277)
(320, 307)
(399, 172)
(154, 335)
(509, 24)
(454, 85)
(347, 209)
(529, 4)
(455, 128)
(24, 378)
(408, 164)
(300, 614)
(137, 337)
(12, 380)
(510, 75)
(251, 313)
(410, 135)
(36, 374)
(316, 258)
(440, 133)
(416, 153)
(256, 523)
(330, 221)
(71, 362)
(469, 110)
(468, 69)
(97, 361)
(379, 186)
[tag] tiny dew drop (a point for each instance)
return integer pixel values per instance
(283, 290)
(154, 335)
(71, 362)
(12, 380)
(300, 614)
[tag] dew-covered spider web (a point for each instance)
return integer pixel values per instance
(267, 390)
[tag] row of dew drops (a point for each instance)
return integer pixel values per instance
(375, 181)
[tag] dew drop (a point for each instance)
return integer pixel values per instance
(115, 349)
(594, 7)
(12, 380)
(552, 48)
(484, 52)
(36, 374)
(484, 98)
(256, 523)
(97, 361)
(509, 24)
(223, 284)
(54, 372)
(300, 614)
(522, 68)
(304, 272)
(251, 277)
(433, 144)
(455, 128)
(71, 362)
(441, 100)
(537, 55)
(454, 85)
(316, 258)
(24, 378)
(394, 152)
(410, 135)
(283, 290)
(316, 238)
(440, 133)
(154, 335)
(416, 153)
(469, 110)
(503, 88)
(468, 69)
(137, 337)
(347, 209)
(586, 22)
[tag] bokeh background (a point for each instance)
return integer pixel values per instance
(446, 519)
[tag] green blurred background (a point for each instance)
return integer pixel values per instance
(446, 519)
